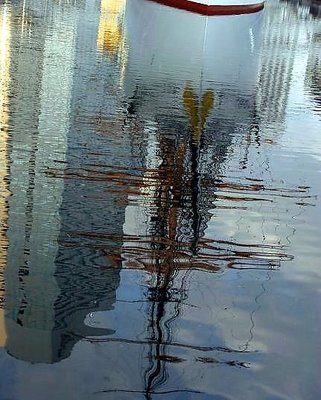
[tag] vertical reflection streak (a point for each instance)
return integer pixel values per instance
(23, 17)
(5, 41)
(111, 32)
(41, 95)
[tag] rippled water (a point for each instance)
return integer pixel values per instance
(160, 202)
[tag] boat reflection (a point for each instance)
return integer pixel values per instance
(189, 114)
(191, 83)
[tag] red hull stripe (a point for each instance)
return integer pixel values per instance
(213, 9)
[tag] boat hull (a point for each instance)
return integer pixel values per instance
(211, 7)
(183, 46)
(173, 54)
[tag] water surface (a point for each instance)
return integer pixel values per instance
(160, 202)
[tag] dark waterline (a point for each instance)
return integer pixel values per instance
(160, 202)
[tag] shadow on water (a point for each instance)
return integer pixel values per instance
(144, 157)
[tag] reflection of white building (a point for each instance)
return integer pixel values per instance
(282, 34)
(278, 52)
(39, 120)
(313, 70)
(53, 278)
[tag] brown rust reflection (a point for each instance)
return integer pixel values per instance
(170, 359)
(134, 183)
(211, 360)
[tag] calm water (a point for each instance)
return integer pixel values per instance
(160, 202)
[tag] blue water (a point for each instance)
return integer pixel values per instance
(160, 202)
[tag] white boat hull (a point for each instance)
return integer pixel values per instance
(215, 7)
(186, 47)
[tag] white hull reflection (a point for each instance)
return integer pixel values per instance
(191, 81)
(171, 50)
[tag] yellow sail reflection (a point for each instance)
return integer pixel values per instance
(5, 41)
(110, 32)
(198, 113)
